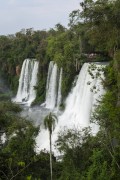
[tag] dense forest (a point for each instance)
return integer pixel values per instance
(93, 34)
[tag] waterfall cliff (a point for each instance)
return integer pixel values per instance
(28, 79)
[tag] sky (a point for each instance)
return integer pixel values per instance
(37, 14)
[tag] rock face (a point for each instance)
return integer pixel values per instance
(18, 70)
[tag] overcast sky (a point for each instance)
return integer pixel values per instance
(37, 14)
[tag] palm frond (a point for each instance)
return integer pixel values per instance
(50, 122)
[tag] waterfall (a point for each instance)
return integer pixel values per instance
(49, 75)
(53, 86)
(32, 93)
(82, 98)
(79, 104)
(28, 80)
(59, 97)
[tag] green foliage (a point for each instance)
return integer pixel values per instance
(4, 96)
(41, 92)
(97, 160)
(18, 158)
(117, 73)
(9, 106)
(72, 143)
(18, 150)
(101, 18)
(29, 177)
(15, 48)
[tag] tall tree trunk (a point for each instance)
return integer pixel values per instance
(50, 155)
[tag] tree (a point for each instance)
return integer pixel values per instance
(49, 123)
(101, 18)
(17, 153)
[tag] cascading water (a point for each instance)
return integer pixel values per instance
(49, 75)
(28, 80)
(59, 97)
(32, 93)
(53, 87)
(82, 99)
(79, 104)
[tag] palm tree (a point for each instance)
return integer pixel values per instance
(49, 123)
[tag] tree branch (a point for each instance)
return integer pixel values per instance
(20, 171)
